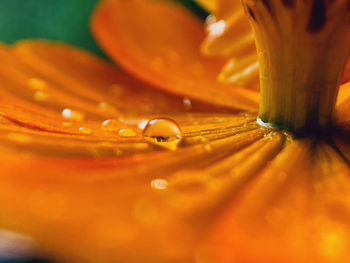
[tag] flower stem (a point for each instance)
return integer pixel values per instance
(302, 47)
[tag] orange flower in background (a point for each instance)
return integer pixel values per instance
(168, 164)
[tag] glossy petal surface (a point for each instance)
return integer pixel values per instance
(159, 42)
(75, 165)
(298, 204)
(69, 172)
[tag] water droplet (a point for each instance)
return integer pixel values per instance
(85, 130)
(163, 132)
(41, 95)
(111, 125)
(142, 124)
(159, 184)
(289, 136)
(37, 84)
(187, 103)
(127, 133)
(269, 135)
(72, 115)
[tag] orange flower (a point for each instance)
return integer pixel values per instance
(90, 178)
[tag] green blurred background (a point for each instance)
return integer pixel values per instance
(63, 20)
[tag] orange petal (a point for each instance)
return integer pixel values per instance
(229, 37)
(40, 81)
(82, 195)
(342, 111)
(243, 71)
(229, 34)
(298, 204)
(82, 209)
(158, 41)
(91, 193)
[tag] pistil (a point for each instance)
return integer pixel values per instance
(303, 47)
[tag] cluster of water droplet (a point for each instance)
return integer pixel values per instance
(162, 132)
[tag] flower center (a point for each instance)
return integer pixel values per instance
(302, 47)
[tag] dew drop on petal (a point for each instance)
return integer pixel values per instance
(142, 124)
(187, 103)
(269, 135)
(72, 115)
(163, 132)
(85, 130)
(127, 133)
(111, 125)
(288, 136)
(159, 184)
(37, 84)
